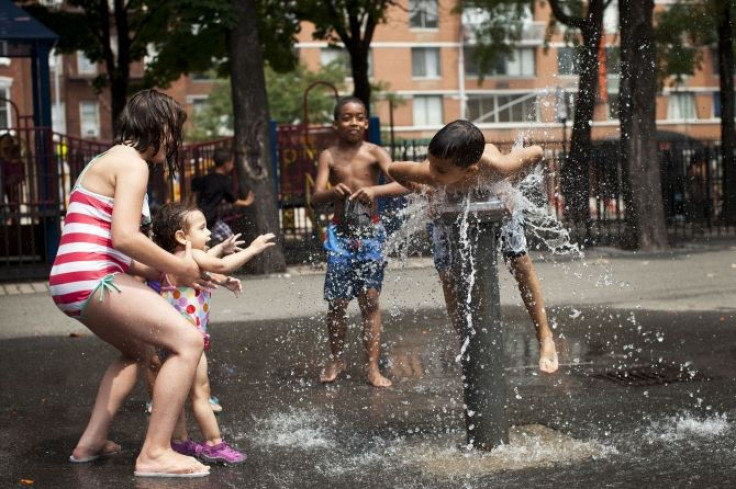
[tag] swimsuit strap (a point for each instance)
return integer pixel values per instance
(78, 182)
(166, 284)
(106, 283)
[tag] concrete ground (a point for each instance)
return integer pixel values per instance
(668, 319)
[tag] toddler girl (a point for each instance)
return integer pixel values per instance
(175, 225)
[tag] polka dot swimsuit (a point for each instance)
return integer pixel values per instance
(193, 304)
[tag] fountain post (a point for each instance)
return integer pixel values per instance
(473, 228)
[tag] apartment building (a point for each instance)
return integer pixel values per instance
(423, 54)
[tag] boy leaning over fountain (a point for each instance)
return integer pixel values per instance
(355, 237)
(459, 160)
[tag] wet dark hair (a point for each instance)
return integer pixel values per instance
(459, 141)
(168, 219)
(343, 102)
(149, 118)
(222, 156)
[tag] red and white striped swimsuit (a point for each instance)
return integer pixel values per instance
(86, 259)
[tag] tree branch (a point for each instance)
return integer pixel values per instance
(566, 19)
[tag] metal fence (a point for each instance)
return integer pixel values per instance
(39, 168)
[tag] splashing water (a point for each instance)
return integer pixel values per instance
(682, 427)
(296, 428)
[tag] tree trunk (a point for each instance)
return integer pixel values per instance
(576, 170)
(728, 127)
(118, 96)
(361, 81)
(250, 111)
(645, 224)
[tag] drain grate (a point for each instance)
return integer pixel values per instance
(648, 375)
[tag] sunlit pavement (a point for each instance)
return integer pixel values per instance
(588, 426)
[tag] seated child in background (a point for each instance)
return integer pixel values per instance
(173, 226)
(460, 161)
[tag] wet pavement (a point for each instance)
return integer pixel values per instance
(669, 423)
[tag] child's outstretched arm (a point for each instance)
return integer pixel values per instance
(230, 245)
(504, 165)
(230, 283)
(236, 260)
(389, 189)
(411, 174)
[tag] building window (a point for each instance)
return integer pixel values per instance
(568, 62)
(519, 63)
(341, 57)
(681, 106)
(199, 105)
(428, 110)
(5, 119)
(493, 108)
(718, 105)
(84, 65)
(613, 106)
(58, 117)
(89, 116)
(425, 62)
(423, 14)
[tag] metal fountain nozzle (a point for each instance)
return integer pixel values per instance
(486, 208)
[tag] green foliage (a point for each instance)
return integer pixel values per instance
(183, 36)
(286, 91)
(285, 100)
(496, 36)
(337, 20)
(682, 31)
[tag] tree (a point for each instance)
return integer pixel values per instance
(575, 172)
(646, 228)
(181, 37)
(500, 29)
(681, 42)
(251, 124)
(353, 23)
(285, 100)
(116, 33)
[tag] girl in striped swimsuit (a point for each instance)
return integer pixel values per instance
(101, 246)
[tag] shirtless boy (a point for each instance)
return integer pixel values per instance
(459, 160)
(355, 237)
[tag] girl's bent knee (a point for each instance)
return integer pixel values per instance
(190, 344)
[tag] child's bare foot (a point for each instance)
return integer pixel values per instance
(85, 454)
(331, 371)
(169, 464)
(548, 362)
(374, 378)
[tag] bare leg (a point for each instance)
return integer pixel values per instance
(133, 330)
(151, 371)
(201, 408)
(523, 270)
(371, 313)
(337, 329)
(181, 434)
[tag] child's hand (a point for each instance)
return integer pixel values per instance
(234, 285)
(232, 244)
(364, 195)
(341, 191)
(262, 243)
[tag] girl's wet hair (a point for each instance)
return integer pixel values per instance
(460, 142)
(149, 119)
(168, 219)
